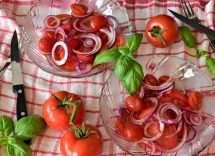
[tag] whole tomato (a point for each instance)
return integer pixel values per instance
(161, 31)
(85, 141)
(59, 109)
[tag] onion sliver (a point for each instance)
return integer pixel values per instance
(111, 36)
(192, 118)
(56, 20)
(88, 42)
(60, 31)
(64, 59)
(191, 135)
(162, 110)
(112, 21)
(141, 121)
(97, 46)
(83, 67)
(157, 136)
(180, 125)
(76, 26)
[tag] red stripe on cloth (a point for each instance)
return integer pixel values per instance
(19, 2)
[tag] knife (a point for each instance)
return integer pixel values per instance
(209, 32)
(17, 79)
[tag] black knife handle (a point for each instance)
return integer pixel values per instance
(21, 108)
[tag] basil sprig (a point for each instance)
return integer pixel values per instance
(24, 129)
(127, 69)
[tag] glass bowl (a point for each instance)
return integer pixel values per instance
(187, 76)
(33, 28)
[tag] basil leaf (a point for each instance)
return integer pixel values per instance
(6, 125)
(122, 66)
(134, 42)
(123, 50)
(187, 37)
(16, 147)
(29, 126)
(200, 53)
(210, 62)
(107, 56)
(134, 77)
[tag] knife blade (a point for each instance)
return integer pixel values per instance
(17, 78)
(209, 32)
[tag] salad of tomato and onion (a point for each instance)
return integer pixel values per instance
(71, 41)
(159, 118)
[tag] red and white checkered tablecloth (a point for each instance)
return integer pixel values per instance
(39, 84)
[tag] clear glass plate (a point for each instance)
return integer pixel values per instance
(34, 26)
(188, 77)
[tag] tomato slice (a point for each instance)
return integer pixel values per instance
(79, 9)
(145, 112)
(195, 100)
(133, 103)
(85, 58)
(165, 99)
(150, 80)
(52, 21)
(178, 98)
(49, 33)
(45, 44)
(63, 16)
(67, 27)
(163, 79)
(119, 41)
(73, 43)
(97, 22)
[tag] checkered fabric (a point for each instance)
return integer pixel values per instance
(39, 84)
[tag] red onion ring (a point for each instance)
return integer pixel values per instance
(111, 36)
(158, 88)
(83, 67)
(64, 46)
(97, 46)
(76, 26)
(46, 21)
(78, 16)
(191, 134)
(192, 119)
(60, 31)
(161, 113)
(148, 138)
(113, 21)
(180, 125)
(88, 42)
(141, 121)
(141, 92)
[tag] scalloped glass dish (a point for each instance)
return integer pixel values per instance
(188, 78)
(34, 26)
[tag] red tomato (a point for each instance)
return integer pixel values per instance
(79, 9)
(91, 145)
(145, 112)
(195, 100)
(70, 64)
(119, 41)
(150, 80)
(163, 25)
(56, 115)
(178, 98)
(133, 103)
(163, 79)
(73, 43)
(49, 33)
(52, 22)
(85, 58)
(63, 16)
(128, 129)
(67, 27)
(165, 99)
(97, 22)
(45, 44)
(166, 141)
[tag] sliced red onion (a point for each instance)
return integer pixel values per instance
(76, 26)
(192, 118)
(84, 68)
(56, 20)
(111, 36)
(71, 34)
(141, 121)
(112, 21)
(163, 86)
(161, 113)
(148, 137)
(141, 93)
(64, 59)
(61, 31)
(78, 16)
(191, 134)
(88, 42)
(97, 42)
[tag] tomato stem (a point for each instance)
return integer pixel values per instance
(82, 132)
(74, 112)
(157, 32)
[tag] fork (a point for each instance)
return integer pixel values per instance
(189, 13)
